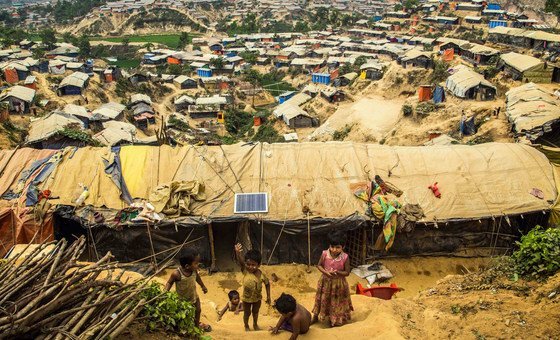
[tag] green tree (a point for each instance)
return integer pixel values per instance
(360, 61)
(238, 122)
(217, 63)
(175, 69)
(183, 40)
(440, 71)
(67, 37)
(252, 76)
(84, 46)
(38, 53)
(553, 6)
(410, 4)
(301, 26)
(346, 68)
(125, 41)
(249, 57)
(149, 46)
(48, 38)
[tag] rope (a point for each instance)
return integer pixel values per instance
(229, 166)
(216, 172)
(278, 239)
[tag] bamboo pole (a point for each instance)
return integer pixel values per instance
(212, 250)
(152, 246)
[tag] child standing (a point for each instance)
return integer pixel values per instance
(295, 318)
(332, 300)
(253, 279)
(185, 278)
(234, 304)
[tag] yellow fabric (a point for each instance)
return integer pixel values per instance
(138, 169)
(175, 198)
(252, 287)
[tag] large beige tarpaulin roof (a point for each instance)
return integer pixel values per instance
(530, 106)
(520, 62)
(475, 181)
(464, 79)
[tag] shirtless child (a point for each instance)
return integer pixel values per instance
(295, 318)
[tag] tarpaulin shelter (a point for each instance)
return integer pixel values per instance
(11, 75)
(309, 186)
(448, 54)
(525, 68)
(534, 112)
(424, 93)
(468, 84)
(439, 94)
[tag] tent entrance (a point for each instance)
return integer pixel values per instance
(225, 237)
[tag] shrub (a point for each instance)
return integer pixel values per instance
(267, 133)
(425, 107)
(167, 311)
(178, 124)
(341, 134)
(407, 109)
(538, 255)
(440, 71)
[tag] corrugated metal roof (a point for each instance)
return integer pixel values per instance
(47, 126)
(108, 111)
(214, 100)
(77, 79)
(21, 92)
(76, 110)
(140, 97)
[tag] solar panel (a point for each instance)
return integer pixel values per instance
(255, 202)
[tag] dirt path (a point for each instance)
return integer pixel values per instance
(370, 119)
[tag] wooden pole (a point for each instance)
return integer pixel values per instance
(364, 245)
(212, 250)
(308, 244)
(93, 242)
(152, 246)
(262, 236)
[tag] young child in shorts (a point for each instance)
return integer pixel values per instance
(253, 280)
(185, 278)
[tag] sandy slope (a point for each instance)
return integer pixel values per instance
(372, 318)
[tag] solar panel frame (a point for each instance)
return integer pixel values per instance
(250, 203)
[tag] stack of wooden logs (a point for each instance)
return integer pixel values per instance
(48, 294)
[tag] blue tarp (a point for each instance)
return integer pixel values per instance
(467, 126)
(497, 23)
(439, 95)
(114, 169)
(204, 72)
(321, 78)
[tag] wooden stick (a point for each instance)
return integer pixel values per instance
(308, 244)
(212, 250)
(152, 246)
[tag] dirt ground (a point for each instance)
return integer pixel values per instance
(371, 118)
(442, 298)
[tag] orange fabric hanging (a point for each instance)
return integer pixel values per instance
(448, 54)
(424, 93)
